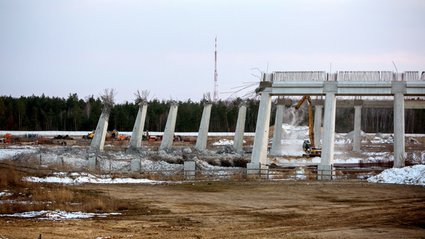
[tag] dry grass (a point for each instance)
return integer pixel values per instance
(28, 196)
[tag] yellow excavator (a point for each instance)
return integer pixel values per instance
(308, 145)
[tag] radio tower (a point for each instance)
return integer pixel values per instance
(215, 95)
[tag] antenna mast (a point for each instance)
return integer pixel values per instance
(215, 96)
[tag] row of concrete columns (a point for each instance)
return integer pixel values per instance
(259, 153)
(98, 141)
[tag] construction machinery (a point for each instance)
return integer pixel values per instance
(308, 144)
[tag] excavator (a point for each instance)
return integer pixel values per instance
(308, 144)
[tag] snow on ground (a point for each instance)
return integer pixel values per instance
(149, 165)
(414, 175)
(5, 194)
(225, 142)
(57, 215)
(81, 178)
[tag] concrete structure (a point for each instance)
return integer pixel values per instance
(259, 152)
(357, 136)
(399, 143)
(201, 141)
(354, 83)
(135, 165)
(329, 124)
(137, 134)
(358, 106)
(189, 167)
(98, 141)
(277, 132)
(168, 138)
(240, 129)
(318, 114)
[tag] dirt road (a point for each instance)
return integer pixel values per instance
(290, 209)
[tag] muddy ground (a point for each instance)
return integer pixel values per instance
(287, 209)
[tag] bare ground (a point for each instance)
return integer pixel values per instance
(289, 209)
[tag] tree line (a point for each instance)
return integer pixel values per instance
(76, 114)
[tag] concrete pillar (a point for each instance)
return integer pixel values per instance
(98, 141)
(329, 129)
(137, 135)
(201, 141)
(318, 114)
(259, 152)
(240, 129)
(399, 144)
(277, 133)
(168, 137)
(357, 136)
(398, 88)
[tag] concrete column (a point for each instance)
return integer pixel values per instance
(201, 141)
(399, 144)
(240, 129)
(357, 137)
(277, 133)
(98, 141)
(137, 135)
(329, 129)
(398, 88)
(259, 152)
(168, 137)
(318, 114)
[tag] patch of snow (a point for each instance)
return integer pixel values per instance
(223, 142)
(5, 194)
(149, 165)
(57, 215)
(413, 175)
(81, 178)
(300, 173)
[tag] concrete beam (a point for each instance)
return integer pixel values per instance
(379, 104)
(347, 88)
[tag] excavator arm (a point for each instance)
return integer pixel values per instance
(310, 117)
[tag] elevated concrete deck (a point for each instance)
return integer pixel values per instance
(349, 88)
(331, 85)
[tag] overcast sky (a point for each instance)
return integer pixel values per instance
(58, 47)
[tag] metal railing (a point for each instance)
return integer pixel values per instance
(300, 76)
(385, 76)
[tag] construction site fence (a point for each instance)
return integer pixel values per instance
(265, 174)
(275, 174)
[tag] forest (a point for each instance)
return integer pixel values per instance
(77, 114)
